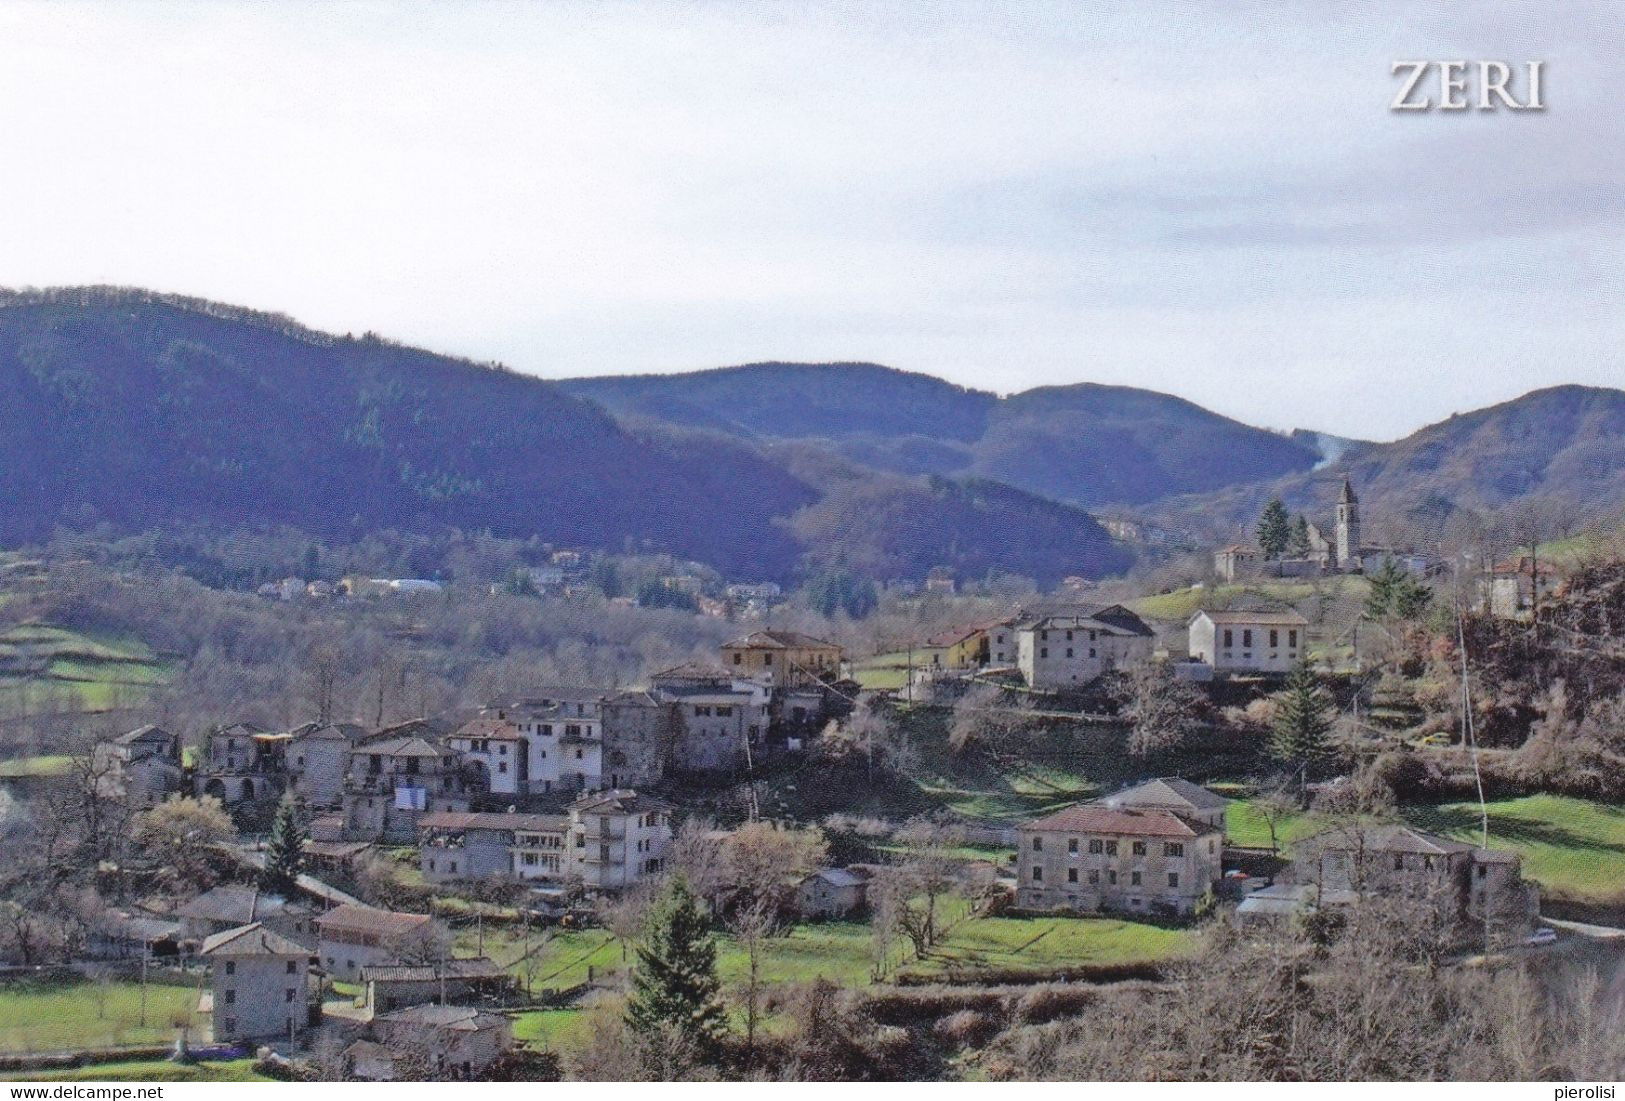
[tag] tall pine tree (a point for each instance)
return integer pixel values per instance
(675, 990)
(1303, 722)
(1274, 529)
(284, 853)
(1299, 545)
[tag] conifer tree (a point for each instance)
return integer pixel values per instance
(1300, 537)
(675, 990)
(284, 853)
(1274, 529)
(1302, 723)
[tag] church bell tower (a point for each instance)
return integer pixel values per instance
(1348, 527)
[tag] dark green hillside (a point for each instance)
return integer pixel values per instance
(142, 411)
(899, 527)
(1097, 445)
(148, 412)
(793, 400)
(1087, 444)
(1560, 450)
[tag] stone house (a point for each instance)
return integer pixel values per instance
(497, 748)
(476, 845)
(1236, 560)
(261, 986)
(396, 986)
(452, 1041)
(786, 659)
(618, 838)
(831, 893)
(1171, 793)
(143, 766)
(1510, 589)
(562, 727)
(1091, 858)
(351, 937)
(232, 906)
(1478, 885)
(1249, 641)
(719, 718)
(1070, 649)
(318, 757)
(393, 780)
(244, 764)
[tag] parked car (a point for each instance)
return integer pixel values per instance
(1542, 936)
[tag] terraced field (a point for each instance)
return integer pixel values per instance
(43, 667)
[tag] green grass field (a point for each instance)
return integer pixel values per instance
(45, 666)
(1047, 944)
(89, 1015)
(152, 1070)
(1573, 847)
(557, 1030)
(882, 672)
(48, 765)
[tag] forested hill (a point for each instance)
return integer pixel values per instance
(140, 410)
(1087, 444)
(1554, 458)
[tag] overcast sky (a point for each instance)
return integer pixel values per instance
(1219, 206)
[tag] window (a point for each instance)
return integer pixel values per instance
(502, 766)
(1069, 639)
(231, 1024)
(1229, 638)
(231, 997)
(1091, 651)
(1173, 848)
(1072, 845)
(1275, 638)
(1044, 652)
(1069, 651)
(1038, 874)
(231, 967)
(1246, 637)
(724, 711)
(1096, 845)
(1111, 878)
(287, 995)
(1292, 638)
(1038, 844)
(293, 967)
(1399, 863)
(1072, 875)
(1139, 848)
(1094, 876)
(1482, 871)
(1111, 848)
(1043, 636)
(767, 659)
(739, 659)
(1134, 879)
(1173, 879)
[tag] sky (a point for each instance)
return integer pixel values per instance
(1213, 200)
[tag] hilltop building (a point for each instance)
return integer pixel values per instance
(1240, 641)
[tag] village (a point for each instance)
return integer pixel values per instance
(417, 899)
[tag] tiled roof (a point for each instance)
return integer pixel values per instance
(462, 1018)
(624, 802)
(1095, 818)
(693, 670)
(494, 729)
(779, 640)
(365, 919)
(252, 940)
(405, 747)
(1388, 839)
(480, 967)
(1283, 617)
(233, 903)
(487, 820)
(143, 734)
(1167, 791)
